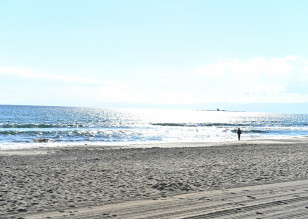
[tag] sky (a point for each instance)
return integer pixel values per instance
(137, 53)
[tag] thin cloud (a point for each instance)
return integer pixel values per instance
(28, 73)
(259, 79)
(255, 67)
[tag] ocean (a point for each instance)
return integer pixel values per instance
(33, 126)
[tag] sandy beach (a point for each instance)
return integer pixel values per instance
(246, 179)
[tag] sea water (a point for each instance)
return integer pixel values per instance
(25, 126)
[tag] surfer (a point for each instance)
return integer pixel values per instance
(239, 132)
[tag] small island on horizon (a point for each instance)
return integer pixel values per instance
(219, 110)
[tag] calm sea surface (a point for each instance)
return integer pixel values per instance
(25, 126)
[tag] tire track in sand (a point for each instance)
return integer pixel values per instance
(278, 200)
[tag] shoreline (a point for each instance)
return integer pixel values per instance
(113, 145)
(72, 179)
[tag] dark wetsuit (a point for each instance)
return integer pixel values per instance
(239, 132)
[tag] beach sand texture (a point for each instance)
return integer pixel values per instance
(247, 179)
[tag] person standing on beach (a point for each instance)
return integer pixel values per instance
(239, 132)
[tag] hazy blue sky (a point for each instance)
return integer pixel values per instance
(105, 53)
